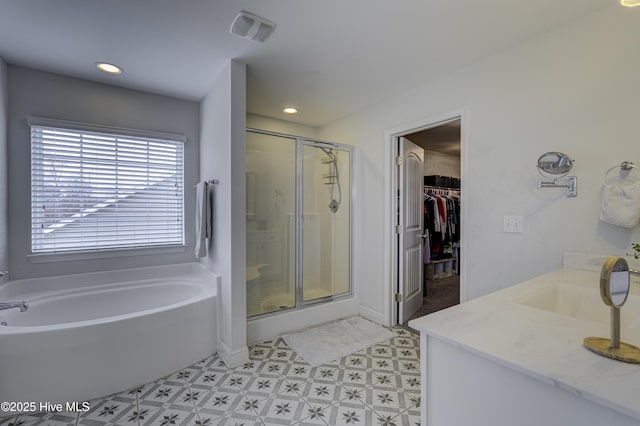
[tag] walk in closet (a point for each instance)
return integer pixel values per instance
(442, 216)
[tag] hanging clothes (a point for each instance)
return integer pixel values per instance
(441, 223)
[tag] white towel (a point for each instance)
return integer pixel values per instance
(621, 205)
(203, 219)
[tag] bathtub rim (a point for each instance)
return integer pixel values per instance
(196, 278)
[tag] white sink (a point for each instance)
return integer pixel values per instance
(581, 302)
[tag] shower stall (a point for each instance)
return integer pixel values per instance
(299, 195)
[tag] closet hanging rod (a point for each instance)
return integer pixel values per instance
(441, 188)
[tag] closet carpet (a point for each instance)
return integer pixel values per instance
(441, 294)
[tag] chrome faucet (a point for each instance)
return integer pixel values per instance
(634, 272)
(8, 305)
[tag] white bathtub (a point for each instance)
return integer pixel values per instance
(90, 335)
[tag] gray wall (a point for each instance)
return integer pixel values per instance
(49, 95)
(4, 182)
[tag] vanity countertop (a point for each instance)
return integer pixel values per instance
(543, 344)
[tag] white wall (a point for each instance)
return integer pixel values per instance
(437, 163)
(572, 90)
(49, 95)
(4, 175)
(222, 157)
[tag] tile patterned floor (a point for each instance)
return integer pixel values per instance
(376, 386)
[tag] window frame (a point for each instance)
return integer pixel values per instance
(96, 253)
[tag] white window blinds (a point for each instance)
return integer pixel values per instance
(99, 190)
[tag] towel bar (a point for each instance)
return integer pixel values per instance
(625, 165)
(210, 182)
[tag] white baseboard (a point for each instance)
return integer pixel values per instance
(232, 359)
(372, 315)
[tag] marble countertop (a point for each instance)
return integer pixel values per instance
(543, 344)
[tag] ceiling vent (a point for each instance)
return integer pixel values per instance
(252, 27)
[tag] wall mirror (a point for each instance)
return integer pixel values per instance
(555, 163)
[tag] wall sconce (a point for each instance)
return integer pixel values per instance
(557, 164)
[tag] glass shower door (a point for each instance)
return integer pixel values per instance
(325, 220)
(271, 224)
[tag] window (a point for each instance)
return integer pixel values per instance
(96, 188)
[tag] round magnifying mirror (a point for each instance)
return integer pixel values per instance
(555, 163)
(614, 281)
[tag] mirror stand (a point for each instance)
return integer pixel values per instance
(614, 289)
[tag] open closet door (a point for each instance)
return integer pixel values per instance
(411, 217)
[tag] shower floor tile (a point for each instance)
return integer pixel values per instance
(377, 385)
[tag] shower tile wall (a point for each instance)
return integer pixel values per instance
(376, 386)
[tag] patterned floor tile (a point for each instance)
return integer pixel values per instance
(386, 381)
(298, 371)
(408, 418)
(171, 417)
(282, 409)
(357, 361)
(317, 415)
(409, 366)
(410, 384)
(408, 342)
(233, 382)
(293, 388)
(109, 410)
(325, 373)
(8, 420)
(249, 367)
(214, 363)
(351, 393)
(386, 420)
(377, 385)
(137, 416)
(264, 386)
(349, 413)
(53, 419)
(162, 392)
(220, 403)
(207, 361)
(384, 365)
(387, 402)
(321, 392)
(259, 353)
(235, 419)
(284, 354)
(207, 377)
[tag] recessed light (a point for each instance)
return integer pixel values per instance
(290, 110)
(630, 3)
(108, 68)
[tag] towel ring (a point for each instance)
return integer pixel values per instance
(625, 165)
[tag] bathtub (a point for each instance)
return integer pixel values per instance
(90, 335)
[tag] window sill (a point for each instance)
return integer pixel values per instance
(102, 254)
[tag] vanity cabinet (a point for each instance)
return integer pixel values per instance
(516, 357)
(462, 388)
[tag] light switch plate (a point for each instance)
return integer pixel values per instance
(512, 224)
